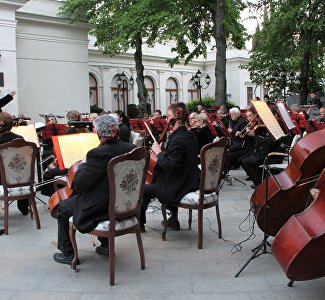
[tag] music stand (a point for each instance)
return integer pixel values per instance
(262, 246)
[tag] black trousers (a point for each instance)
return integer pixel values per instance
(148, 194)
(250, 165)
(64, 212)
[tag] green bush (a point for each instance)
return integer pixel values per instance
(207, 102)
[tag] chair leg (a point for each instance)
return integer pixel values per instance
(190, 219)
(219, 221)
(35, 212)
(200, 228)
(163, 211)
(141, 250)
(111, 259)
(30, 209)
(6, 213)
(72, 235)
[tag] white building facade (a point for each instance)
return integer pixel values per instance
(55, 68)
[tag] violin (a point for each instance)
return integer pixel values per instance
(300, 243)
(288, 190)
(64, 192)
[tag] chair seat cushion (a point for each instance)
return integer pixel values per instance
(18, 191)
(119, 224)
(193, 198)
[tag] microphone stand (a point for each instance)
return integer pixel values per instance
(262, 246)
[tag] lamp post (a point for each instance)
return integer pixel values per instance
(197, 78)
(121, 80)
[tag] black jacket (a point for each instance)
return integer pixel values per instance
(91, 185)
(176, 171)
(8, 137)
(5, 100)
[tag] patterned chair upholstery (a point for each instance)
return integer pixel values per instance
(17, 169)
(212, 161)
(126, 176)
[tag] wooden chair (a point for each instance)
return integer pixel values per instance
(212, 161)
(17, 169)
(126, 176)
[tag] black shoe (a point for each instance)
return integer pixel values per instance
(253, 186)
(102, 250)
(62, 259)
(172, 224)
(24, 212)
(142, 228)
(2, 231)
(248, 179)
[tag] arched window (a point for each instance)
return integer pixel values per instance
(193, 92)
(93, 90)
(149, 84)
(120, 94)
(171, 90)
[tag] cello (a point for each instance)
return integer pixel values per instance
(300, 243)
(64, 192)
(287, 191)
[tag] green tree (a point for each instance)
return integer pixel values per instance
(292, 40)
(123, 25)
(208, 22)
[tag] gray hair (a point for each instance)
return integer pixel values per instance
(104, 124)
(234, 110)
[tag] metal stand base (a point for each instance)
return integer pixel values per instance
(260, 247)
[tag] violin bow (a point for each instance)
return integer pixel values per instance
(149, 130)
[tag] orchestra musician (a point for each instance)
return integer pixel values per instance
(222, 116)
(6, 99)
(6, 123)
(235, 157)
(263, 144)
(124, 126)
(199, 124)
(176, 172)
(89, 205)
(314, 100)
(236, 125)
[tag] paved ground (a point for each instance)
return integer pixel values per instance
(175, 269)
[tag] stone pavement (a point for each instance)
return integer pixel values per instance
(175, 269)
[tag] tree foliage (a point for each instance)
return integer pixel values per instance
(292, 40)
(123, 25)
(209, 24)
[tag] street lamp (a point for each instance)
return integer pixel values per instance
(197, 82)
(121, 80)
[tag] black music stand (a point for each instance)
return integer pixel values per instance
(262, 246)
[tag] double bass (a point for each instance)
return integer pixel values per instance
(287, 191)
(300, 243)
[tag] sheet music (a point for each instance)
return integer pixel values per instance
(74, 147)
(268, 119)
(28, 133)
(285, 115)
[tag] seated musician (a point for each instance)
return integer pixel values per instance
(124, 126)
(263, 144)
(222, 116)
(235, 157)
(236, 125)
(314, 100)
(6, 136)
(200, 126)
(176, 172)
(89, 205)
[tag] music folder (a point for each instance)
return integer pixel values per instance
(28, 133)
(71, 148)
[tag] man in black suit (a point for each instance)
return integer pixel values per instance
(6, 99)
(90, 204)
(176, 172)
